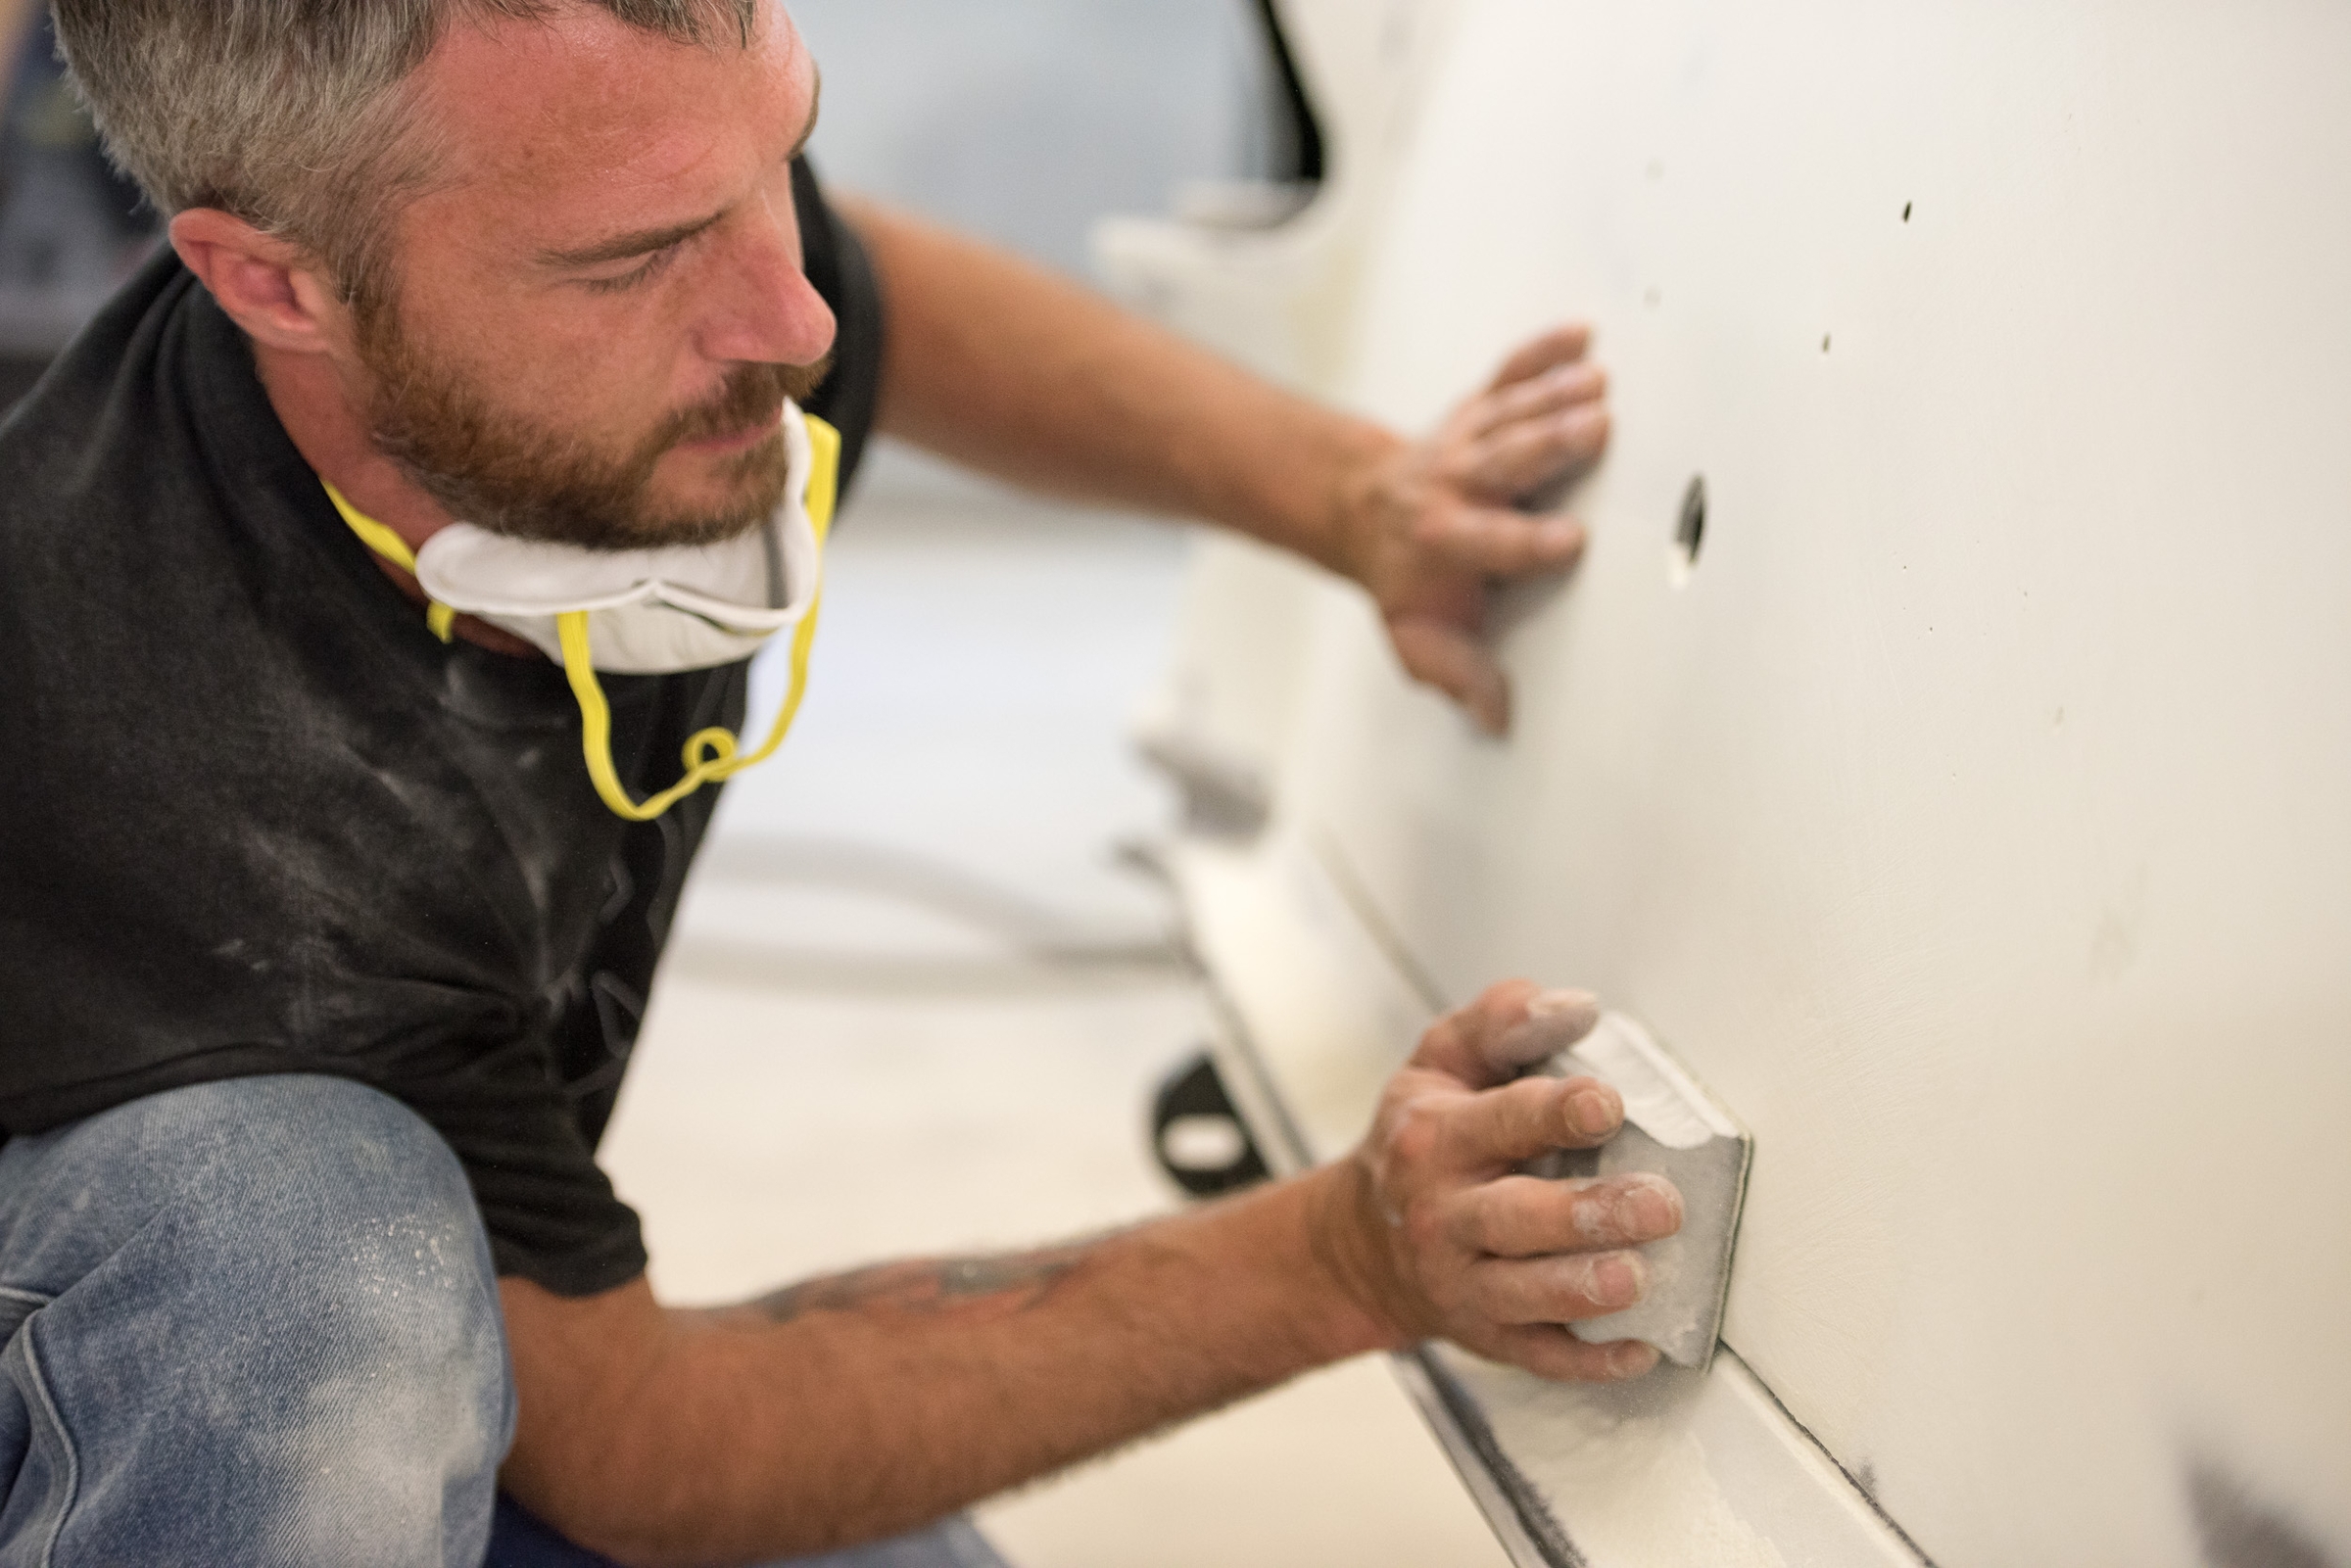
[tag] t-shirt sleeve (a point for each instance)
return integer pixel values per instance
(550, 1210)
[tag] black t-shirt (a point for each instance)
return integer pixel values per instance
(255, 818)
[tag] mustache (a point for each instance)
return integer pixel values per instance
(753, 396)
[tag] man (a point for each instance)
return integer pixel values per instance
(324, 944)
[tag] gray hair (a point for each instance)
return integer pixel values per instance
(293, 114)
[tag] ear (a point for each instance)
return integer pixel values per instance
(274, 289)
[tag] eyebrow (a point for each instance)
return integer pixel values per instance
(647, 241)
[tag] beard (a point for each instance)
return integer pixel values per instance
(503, 471)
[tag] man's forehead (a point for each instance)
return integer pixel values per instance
(582, 110)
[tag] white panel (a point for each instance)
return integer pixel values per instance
(1974, 818)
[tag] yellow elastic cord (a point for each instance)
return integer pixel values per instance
(439, 617)
(713, 754)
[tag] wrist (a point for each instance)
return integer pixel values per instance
(1347, 1239)
(1359, 486)
(1322, 488)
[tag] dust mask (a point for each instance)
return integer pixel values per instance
(646, 611)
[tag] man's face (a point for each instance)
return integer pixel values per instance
(598, 308)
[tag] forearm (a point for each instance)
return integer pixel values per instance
(857, 1408)
(1006, 368)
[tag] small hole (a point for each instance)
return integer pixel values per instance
(1905, 212)
(1691, 532)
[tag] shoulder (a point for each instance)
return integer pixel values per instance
(80, 452)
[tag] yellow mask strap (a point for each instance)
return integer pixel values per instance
(438, 617)
(715, 753)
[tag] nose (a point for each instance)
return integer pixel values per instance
(762, 309)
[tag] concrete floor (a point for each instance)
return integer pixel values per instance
(850, 1057)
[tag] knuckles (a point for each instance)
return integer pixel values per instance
(1424, 1228)
(1433, 528)
(1412, 1136)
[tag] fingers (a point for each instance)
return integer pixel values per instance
(1441, 654)
(1562, 344)
(1511, 1125)
(1551, 1352)
(1464, 1042)
(1543, 417)
(1555, 1022)
(1510, 1027)
(1526, 1216)
(1516, 1292)
(1498, 541)
(1458, 1044)
(1521, 458)
(1556, 391)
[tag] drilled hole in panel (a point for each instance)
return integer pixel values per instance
(1690, 533)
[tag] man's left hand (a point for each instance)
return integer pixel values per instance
(1431, 528)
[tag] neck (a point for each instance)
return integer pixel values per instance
(326, 416)
(322, 413)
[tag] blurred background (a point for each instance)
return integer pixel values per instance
(919, 999)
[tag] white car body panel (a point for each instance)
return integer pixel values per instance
(1974, 815)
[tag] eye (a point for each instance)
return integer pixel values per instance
(645, 271)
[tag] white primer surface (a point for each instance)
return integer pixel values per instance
(1971, 814)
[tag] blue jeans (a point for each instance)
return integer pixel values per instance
(255, 1322)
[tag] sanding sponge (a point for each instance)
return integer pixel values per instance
(1675, 1129)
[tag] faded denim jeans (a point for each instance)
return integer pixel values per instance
(255, 1322)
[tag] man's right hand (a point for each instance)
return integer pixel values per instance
(858, 1407)
(1440, 1237)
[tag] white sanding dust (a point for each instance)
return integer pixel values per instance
(1621, 1469)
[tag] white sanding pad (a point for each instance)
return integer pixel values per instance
(1675, 1129)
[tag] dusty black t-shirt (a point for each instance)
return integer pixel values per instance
(256, 819)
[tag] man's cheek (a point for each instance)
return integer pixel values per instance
(577, 394)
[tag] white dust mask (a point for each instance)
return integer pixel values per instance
(646, 611)
(649, 611)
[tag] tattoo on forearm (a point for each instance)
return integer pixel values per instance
(1012, 1283)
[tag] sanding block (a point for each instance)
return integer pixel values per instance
(1674, 1128)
